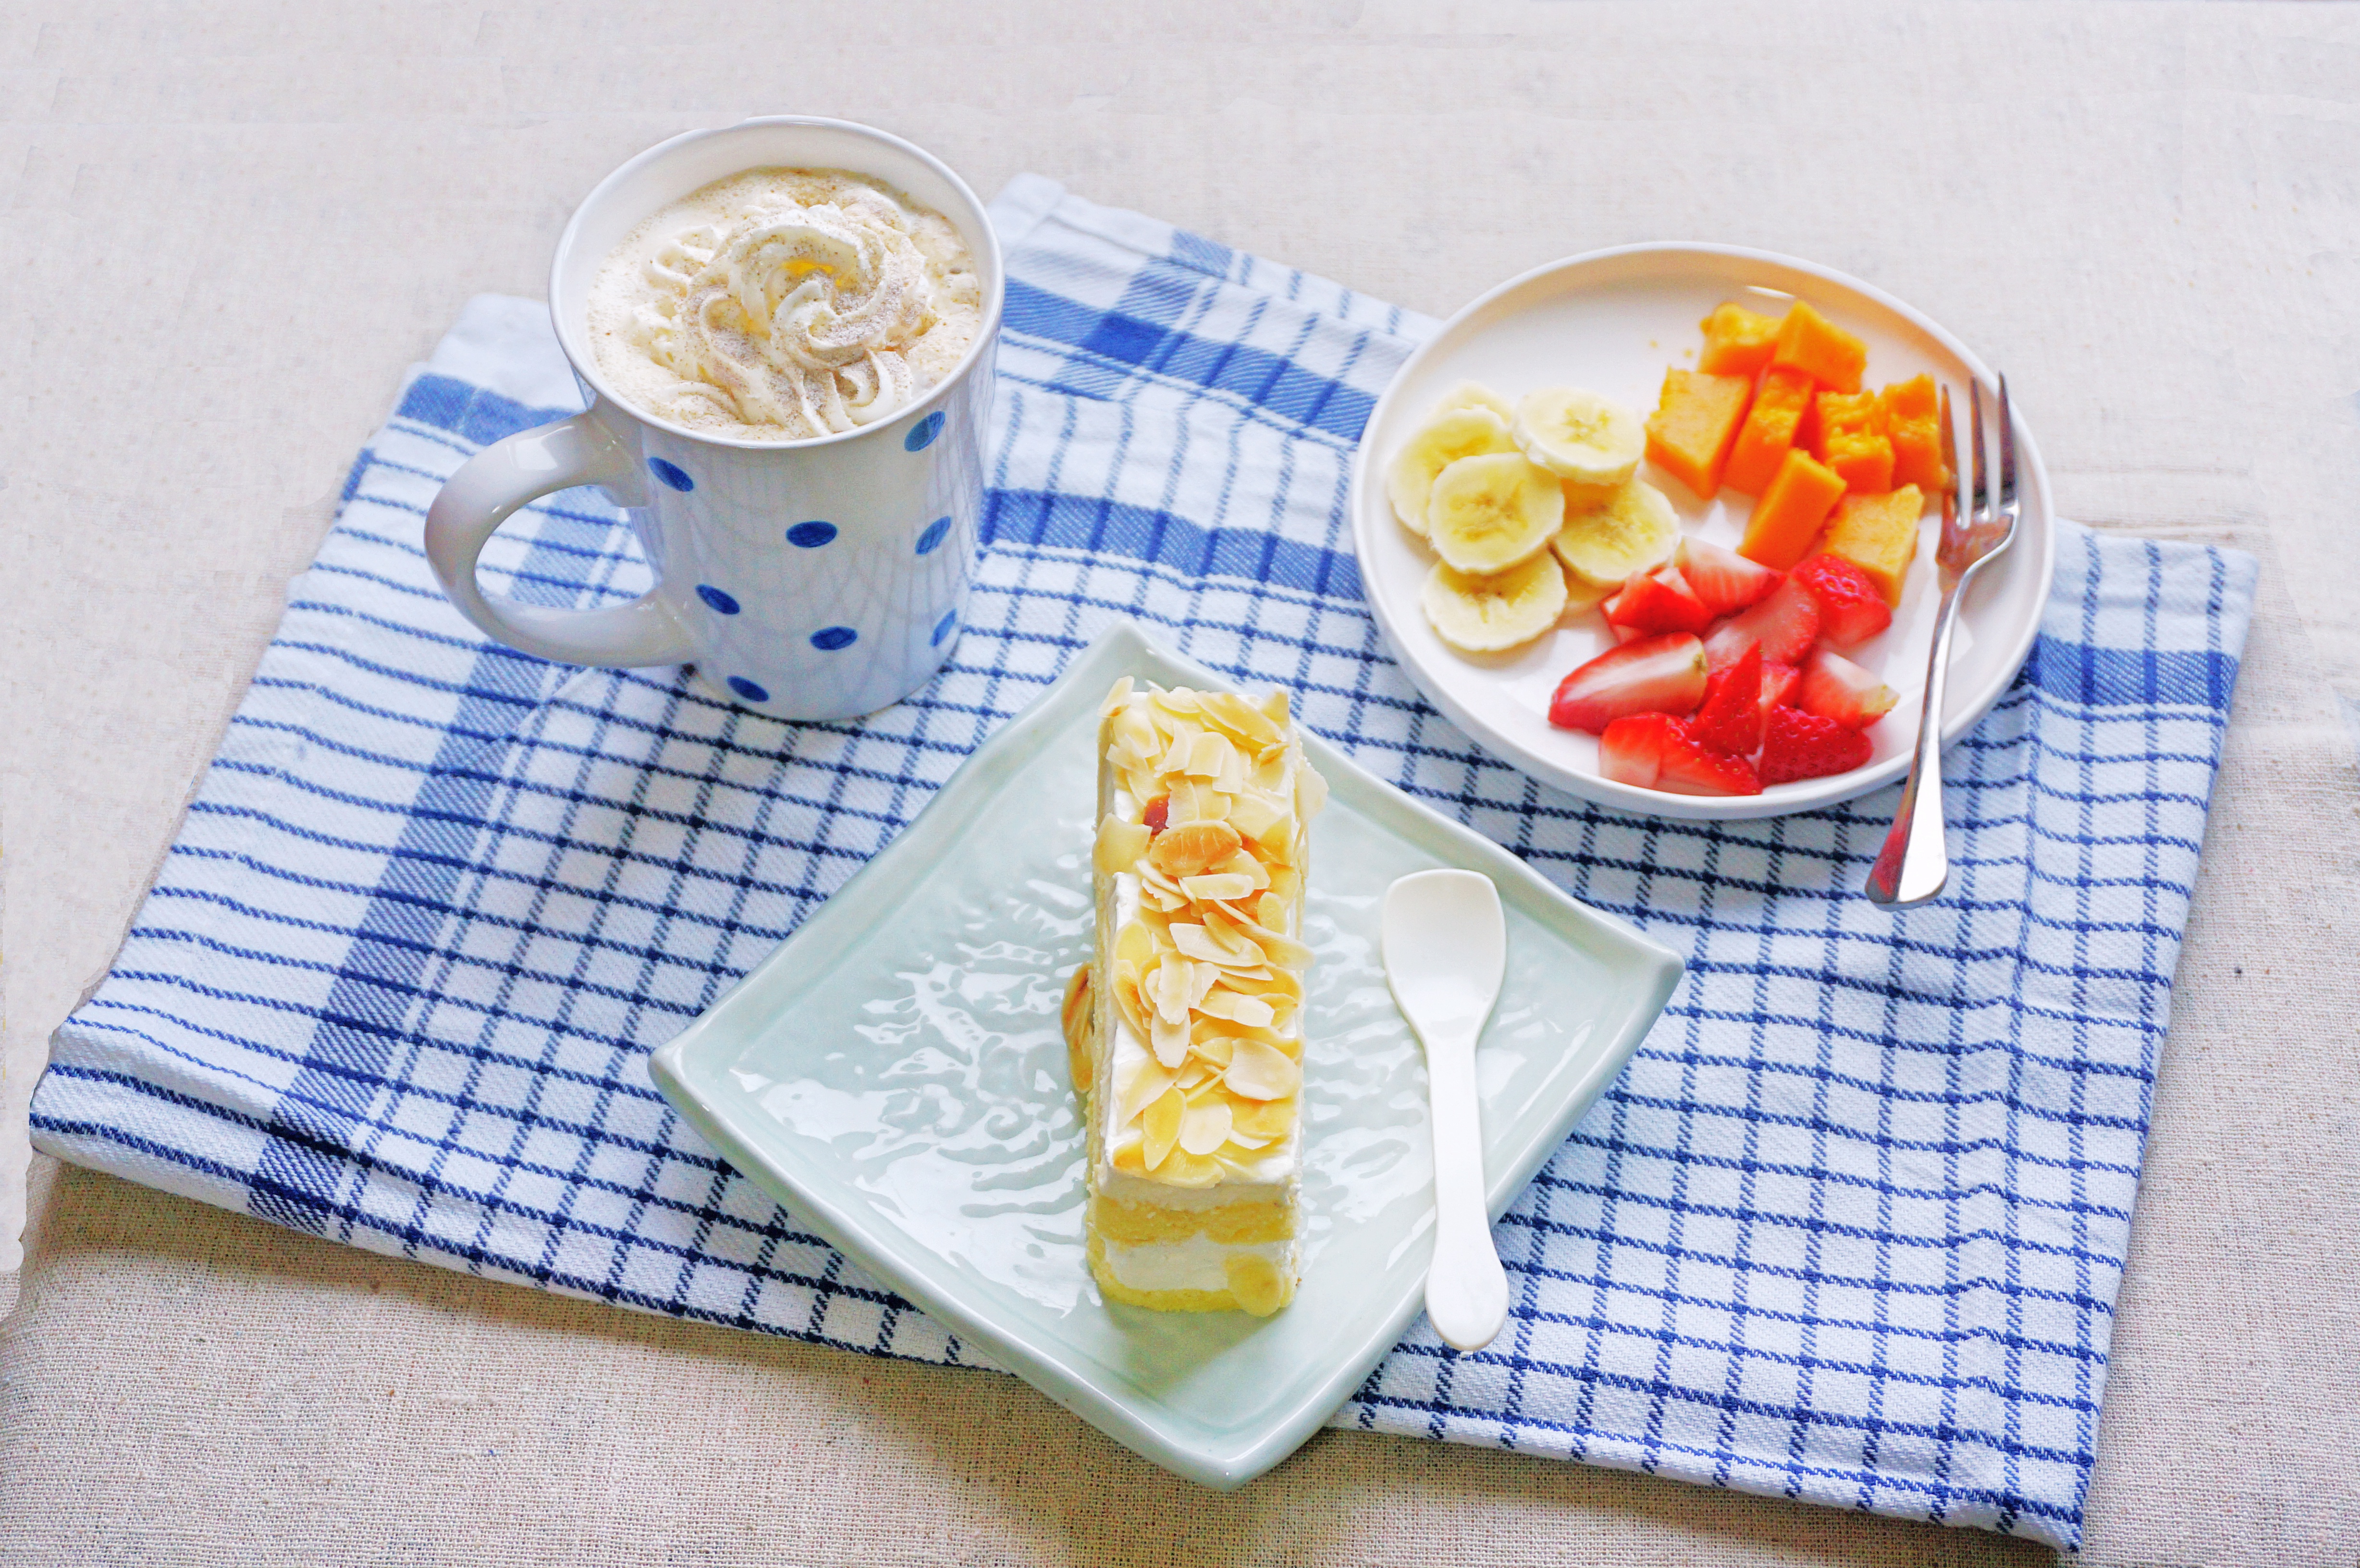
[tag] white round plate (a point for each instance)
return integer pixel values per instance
(1613, 322)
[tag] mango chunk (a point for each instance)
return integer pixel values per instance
(1811, 344)
(1794, 506)
(1694, 424)
(1737, 342)
(1913, 422)
(1879, 535)
(1780, 400)
(1850, 438)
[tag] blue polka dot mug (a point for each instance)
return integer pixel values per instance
(818, 579)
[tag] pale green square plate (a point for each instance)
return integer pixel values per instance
(894, 1074)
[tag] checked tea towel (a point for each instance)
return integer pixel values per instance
(1850, 1228)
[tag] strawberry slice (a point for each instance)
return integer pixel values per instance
(1725, 581)
(1835, 688)
(1657, 751)
(1659, 601)
(1651, 675)
(1786, 624)
(1730, 719)
(1781, 683)
(1851, 606)
(1796, 745)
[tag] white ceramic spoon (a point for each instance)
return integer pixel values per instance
(1445, 949)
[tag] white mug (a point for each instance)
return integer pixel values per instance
(818, 579)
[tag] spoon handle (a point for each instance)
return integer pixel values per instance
(1466, 1289)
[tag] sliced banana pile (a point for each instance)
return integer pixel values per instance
(1497, 489)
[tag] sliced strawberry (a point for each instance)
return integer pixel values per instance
(1796, 745)
(1725, 644)
(1835, 688)
(1780, 685)
(1626, 634)
(1653, 675)
(1725, 581)
(1787, 623)
(1730, 719)
(1657, 751)
(1660, 601)
(1852, 608)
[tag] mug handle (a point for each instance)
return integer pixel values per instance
(490, 486)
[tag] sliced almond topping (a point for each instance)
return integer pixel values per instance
(1204, 1127)
(1243, 863)
(1169, 1039)
(1133, 944)
(1225, 1003)
(1130, 1155)
(1246, 1141)
(1121, 844)
(1284, 950)
(1310, 791)
(1274, 707)
(1253, 813)
(1218, 888)
(1218, 1051)
(1139, 1088)
(1187, 1169)
(1259, 1073)
(1233, 712)
(1273, 1119)
(1159, 1126)
(1119, 698)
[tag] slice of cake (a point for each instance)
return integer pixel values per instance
(1187, 1029)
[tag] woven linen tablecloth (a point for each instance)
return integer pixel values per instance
(1849, 1228)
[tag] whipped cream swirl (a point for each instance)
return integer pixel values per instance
(805, 306)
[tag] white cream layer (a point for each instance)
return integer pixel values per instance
(1196, 1264)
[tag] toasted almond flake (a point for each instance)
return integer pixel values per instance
(1168, 1038)
(1178, 701)
(1274, 707)
(1120, 846)
(1273, 1119)
(1243, 865)
(1187, 1169)
(1193, 1077)
(1159, 1126)
(1258, 1072)
(1284, 950)
(1133, 944)
(1269, 909)
(1246, 1141)
(1234, 711)
(1202, 978)
(1117, 698)
(1310, 791)
(1204, 1127)
(1130, 1155)
(1252, 813)
(1168, 986)
(1225, 1003)
(1218, 888)
(1135, 1089)
(1218, 1051)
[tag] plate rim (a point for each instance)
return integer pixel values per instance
(1220, 1465)
(1591, 786)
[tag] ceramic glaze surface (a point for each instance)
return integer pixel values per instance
(896, 1075)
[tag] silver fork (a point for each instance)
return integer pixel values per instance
(1914, 863)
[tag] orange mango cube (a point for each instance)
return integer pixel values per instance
(1793, 509)
(1737, 342)
(1694, 425)
(1780, 400)
(1811, 344)
(1879, 535)
(1913, 422)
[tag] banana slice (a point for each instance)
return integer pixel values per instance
(1486, 613)
(1434, 446)
(1475, 395)
(1606, 538)
(1582, 595)
(1487, 513)
(1580, 435)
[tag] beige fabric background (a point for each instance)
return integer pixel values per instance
(229, 227)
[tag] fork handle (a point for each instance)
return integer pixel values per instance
(1915, 862)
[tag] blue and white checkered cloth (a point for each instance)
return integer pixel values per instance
(1850, 1227)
